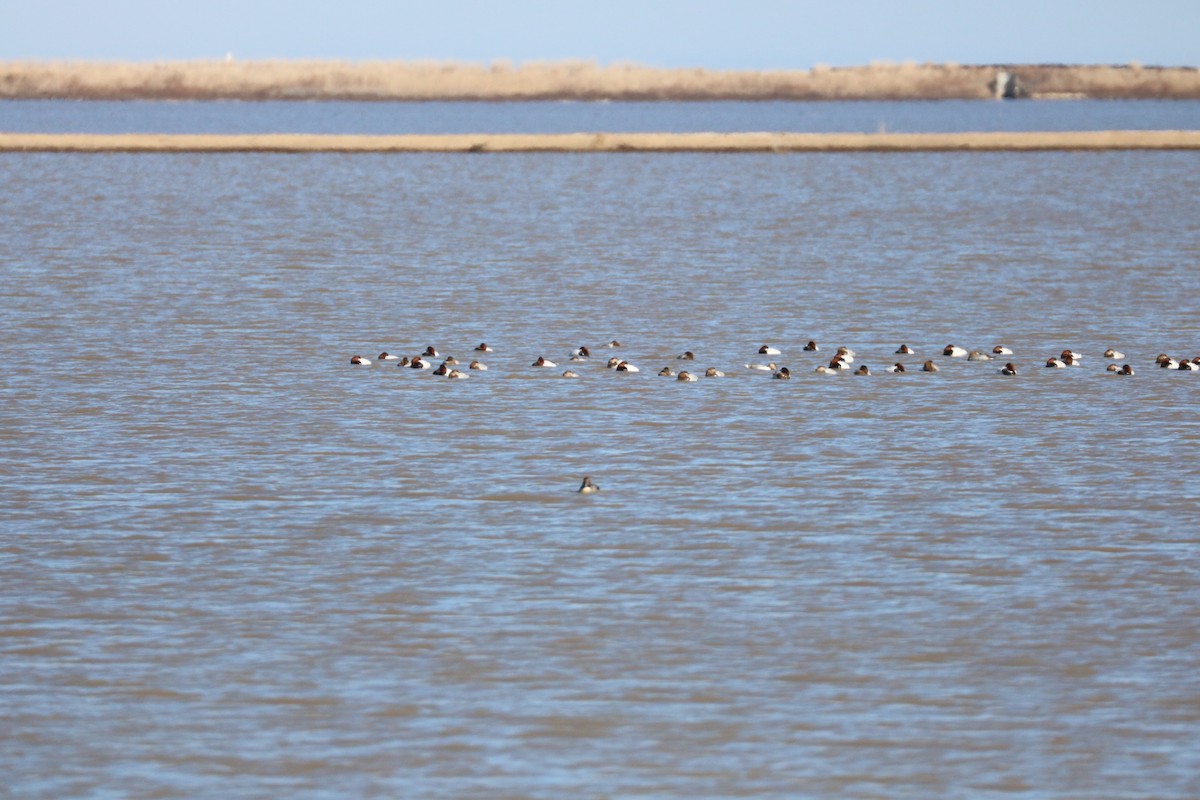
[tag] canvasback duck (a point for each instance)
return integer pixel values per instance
(839, 362)
(1001, 350)
(862, 370)
(929, 366)
(905, 350)
(580, 352)
(1009, 369)
(767, 350)
(1056, 363)
(1074, 356)
(1188, 366)
(360, 361)
(846, 354)
(613, 362)
(897, 367)
(451, 360)
(1111, 368)
(772, 367)
(442, 369)
(713, 372)
(783, 374)
(824, 370)
(587, 487)
(686, 356)
(1069, 359)
(543, 362)
(1125, 370)
(1115, 354)
(570, 374)
(457, 375)
(479, 365)
(418, 363)
(386, 356)
(483, 348)
(613, 343)
(977, 355)
(430, 352)
(625, 366)
(686, 377)
(1166, 362)
(666, 372)
(403, 362)
(811, 347)
(954, 351)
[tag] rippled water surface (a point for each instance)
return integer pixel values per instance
(233, 565)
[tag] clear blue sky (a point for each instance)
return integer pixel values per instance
(718, 34)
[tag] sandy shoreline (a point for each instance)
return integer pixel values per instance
(602, 142)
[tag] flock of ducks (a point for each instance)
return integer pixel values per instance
(841, 362)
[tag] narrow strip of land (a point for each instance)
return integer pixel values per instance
(602, 142)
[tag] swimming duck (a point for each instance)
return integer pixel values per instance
(929, 366)
(954, 351)
(897, 367)
(403, 362)
(763, 367)
(688, 356)
(625, 366)
(360, 361)
(862, 370)
(483, 348)
(587, 487)
(686, 377)
(386, 356)
(905, 350)
(977, 355)
(1187, 366)
(613, 343)
(1115, 354)
(479, 365)
(1166, 362)
(811, 347)
(846, 354)
(666, 372)
(783, 374)
(1001, 350)
(451, 360)
(543, 362)
(1111, 368)
(1075, 357)
(613, 362)
(430, 351)
(713, 372)
(457, 375)
(767, 350)
(1009, 369)
(442, 369)
(418, 363)
(839, 362)
(825, 370)
(1125, 370)
(580, 353)
(1056, 363)
(570, 374)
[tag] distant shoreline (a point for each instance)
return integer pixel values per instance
(602, 142)
(568, 80)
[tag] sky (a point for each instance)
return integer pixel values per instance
(715, 34)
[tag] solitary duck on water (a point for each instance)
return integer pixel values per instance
(587, 487)
(360, 361)
(613, 343)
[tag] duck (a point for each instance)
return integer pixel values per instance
(846, 354)
(666, 372)
(451, 360)
(686, 356)
(1166, 362)
(543, 362)
(386, 356)
(1111, 368)
(767, 350)
(403, 362)
(977, 355)
(862, 370)
(479, 365)
(811, 347)
(418, 363)
(772, 367)
(570, 374)
(1069, 359)
(360, 361)
(442, 369)
(686, 377)
(825, 370)
(1187, 366)
(457, 375)
(625, 366)
(613, 362)
(1074, 356)
(1001, 350)
(580, 353)
(613, 343)
(1125, 370)
(1009, 369)
(954, 351)
(1056, 363)
(839, 362)
(929, 366)
(430, 351)
(483, 348)
(1114, 354)
(897, 367)
(784, 374)
(905, 350)
(713, 372)
(587, 487)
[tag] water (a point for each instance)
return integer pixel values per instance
(233, 565)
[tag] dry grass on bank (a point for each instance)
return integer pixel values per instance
(606, 142)
(396, 80)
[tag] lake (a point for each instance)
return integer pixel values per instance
(234, 565)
